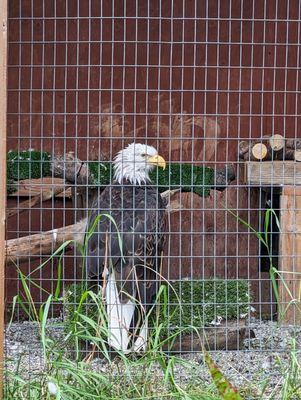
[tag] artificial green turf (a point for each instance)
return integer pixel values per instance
(27, 164)
(33, 164)
(202, 303)
(188, 305)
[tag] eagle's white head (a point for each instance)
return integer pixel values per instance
(134, 163)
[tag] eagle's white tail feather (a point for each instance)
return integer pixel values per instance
(119, 316)
(141, 341)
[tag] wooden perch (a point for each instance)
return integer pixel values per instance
(43, 196)
(67, 167)
(34, 187)
(71, 169)
(44, 244)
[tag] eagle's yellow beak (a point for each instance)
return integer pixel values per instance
(158, 161)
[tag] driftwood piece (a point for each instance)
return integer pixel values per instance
(66, 167)
(34, 187)
(227, 336)
(44, 244)
(41, 244)
(43, 196)
(71, 169)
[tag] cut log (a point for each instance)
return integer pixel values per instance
(277, 142)
(244, 149)
(294, 144)
(223, 177)
(289, 154)
(274, 147)
(297, 155)
(259, 152)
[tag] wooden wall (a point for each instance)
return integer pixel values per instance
(191, 78)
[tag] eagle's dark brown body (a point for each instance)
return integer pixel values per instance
(139, 213)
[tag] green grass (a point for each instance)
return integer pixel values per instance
(151, 375)
(148, 376)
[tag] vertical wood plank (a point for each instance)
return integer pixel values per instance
(290, 258)
(3, 84)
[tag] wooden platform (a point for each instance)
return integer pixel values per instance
(272, 173)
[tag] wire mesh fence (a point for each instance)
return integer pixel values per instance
(206, 85)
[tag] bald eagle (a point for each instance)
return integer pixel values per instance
(124, 252)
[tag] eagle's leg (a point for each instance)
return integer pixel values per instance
(119, 316)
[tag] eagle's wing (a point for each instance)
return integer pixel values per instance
(138, 214)
(139, 217)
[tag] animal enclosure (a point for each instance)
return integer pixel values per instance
(214, 87)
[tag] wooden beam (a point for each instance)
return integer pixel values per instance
(272, 173)
(290, 257)
(3, 105)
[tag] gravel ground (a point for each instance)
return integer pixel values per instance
(260, 364)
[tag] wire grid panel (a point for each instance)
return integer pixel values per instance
(190, 78)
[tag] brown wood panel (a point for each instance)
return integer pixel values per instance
(290, 259)
(153, 95)
(192, 87)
